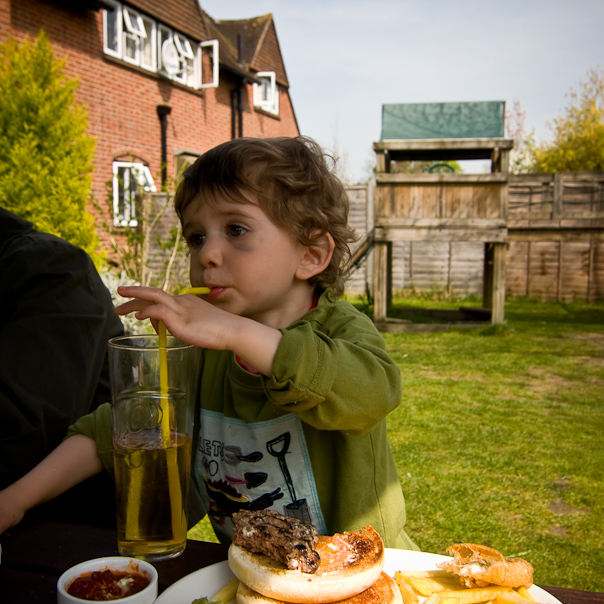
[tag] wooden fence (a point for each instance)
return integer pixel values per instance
(556, 236)
(555, 243)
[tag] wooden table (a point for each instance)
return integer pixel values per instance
(35, 554)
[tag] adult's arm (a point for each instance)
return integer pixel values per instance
(73, 461)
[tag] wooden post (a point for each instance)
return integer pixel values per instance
(381, 280)
(487, 277)
(493, 296)
(450, 270)
(382, 161)
(389, 279)
(528, 269)
(590, 273)
(498, 294)
(559, 275)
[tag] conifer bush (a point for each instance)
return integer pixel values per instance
(45, 151)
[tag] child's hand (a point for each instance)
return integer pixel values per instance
(198, 322)
(186, 317)
(11, 512)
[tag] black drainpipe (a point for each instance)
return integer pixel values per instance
(163, 111)
(234, 113)
(237, 97)
(240, 107)
(240, 90)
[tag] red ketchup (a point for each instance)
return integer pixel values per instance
(106, 585)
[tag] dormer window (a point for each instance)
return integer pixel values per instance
(266, 92)
(138, 39)
(177, 59)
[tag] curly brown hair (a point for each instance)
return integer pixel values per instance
(293, 181)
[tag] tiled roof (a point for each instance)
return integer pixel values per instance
(260, 46)
(183, 15)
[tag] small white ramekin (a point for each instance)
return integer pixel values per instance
(116, 563)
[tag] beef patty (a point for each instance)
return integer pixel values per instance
(284, 539)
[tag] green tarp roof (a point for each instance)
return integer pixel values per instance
(482, 119)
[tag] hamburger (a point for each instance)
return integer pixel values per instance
(281, 559)
(480, 566)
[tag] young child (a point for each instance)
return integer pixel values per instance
(295, 385)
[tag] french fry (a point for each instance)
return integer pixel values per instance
(426, 586)
(409, 596)
(227, 593)
(476, 595)
(450, 601)
(428, 574)
(524, 592)
(513, 597)
(434, 599)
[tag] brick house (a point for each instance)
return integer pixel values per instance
(163, 82)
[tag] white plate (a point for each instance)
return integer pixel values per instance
(211, 579)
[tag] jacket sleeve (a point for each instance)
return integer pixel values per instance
(335, 375)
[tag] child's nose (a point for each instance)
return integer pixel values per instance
(210, 253)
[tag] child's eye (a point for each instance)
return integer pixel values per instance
(235, 230)
(195, 240)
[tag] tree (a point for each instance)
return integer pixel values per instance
(522, 156)
(578, 142)
(45, 152)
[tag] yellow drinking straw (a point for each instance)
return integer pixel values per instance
(196, 291)
(176, 499)
(134, 495)
(163, 369)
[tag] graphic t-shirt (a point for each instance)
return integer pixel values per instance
(264, 465)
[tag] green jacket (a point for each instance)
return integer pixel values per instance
(310, 441)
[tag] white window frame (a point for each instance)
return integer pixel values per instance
(134, 30)
(143, 38)
(271, 103)
(140, 31)
(151, 41)
(213, 46)
(188, 72)
(133, 22)
(117, 11)
(127, 217)
(183, 45)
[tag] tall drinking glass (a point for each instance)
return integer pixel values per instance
(152, 421)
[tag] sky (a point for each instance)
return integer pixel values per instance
(346, 58)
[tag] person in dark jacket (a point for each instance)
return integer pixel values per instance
(56, 317)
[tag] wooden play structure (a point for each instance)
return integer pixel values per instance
(441, 206)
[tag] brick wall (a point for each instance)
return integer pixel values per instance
(122, 100)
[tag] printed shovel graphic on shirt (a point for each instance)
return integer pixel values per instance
(255, 466)
(298, 508)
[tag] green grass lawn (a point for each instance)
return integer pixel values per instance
(499, 438)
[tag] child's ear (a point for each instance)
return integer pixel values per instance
(316, 257)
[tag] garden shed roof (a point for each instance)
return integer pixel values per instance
(482, 119)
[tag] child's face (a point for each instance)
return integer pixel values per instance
(250, 264)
